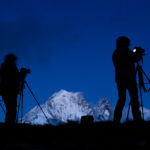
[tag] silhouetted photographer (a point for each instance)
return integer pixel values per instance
(11, 83)
(124, 61)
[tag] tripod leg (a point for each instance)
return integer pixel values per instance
(21, 105)
(17, 115)
(2, 108)
(145, 75)
(141, 84)
(36, 101)
(142, 103)
(127, 118)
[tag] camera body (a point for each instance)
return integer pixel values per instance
(139, 51)
(23, 73)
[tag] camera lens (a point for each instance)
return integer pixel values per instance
(134, 50)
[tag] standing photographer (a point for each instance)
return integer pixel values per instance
(10, 87)
(124, 60)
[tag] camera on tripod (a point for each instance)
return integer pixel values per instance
(139, 52)
(24, 72)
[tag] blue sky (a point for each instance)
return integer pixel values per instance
(68, 44)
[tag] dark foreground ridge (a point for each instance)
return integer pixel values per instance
(73, 136)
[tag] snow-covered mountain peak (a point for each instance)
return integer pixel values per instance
(63, 106)
(103, 110)
(61, 93)
(64, 96)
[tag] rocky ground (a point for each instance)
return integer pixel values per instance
(73, 136)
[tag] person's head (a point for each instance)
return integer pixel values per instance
(122, 42)
(11, 59)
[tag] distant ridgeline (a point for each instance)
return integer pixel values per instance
(65, 106)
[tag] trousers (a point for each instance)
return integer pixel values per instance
(131, 86)
(10, 100)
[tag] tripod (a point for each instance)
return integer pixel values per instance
(21, 101)
(141, 72)
(2, 107)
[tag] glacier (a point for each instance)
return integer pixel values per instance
(64, 106)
